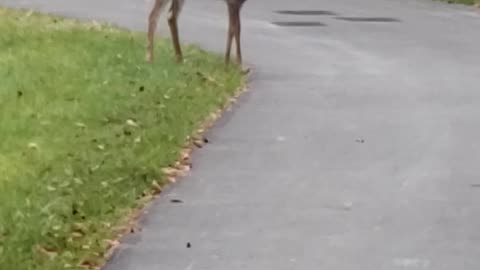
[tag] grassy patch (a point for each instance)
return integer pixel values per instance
(465, 2)
(85, 127)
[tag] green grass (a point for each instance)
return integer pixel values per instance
(465, 2)
(85, 127)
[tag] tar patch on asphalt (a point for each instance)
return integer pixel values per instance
(299, 24)
(368, 19)
(307, 12)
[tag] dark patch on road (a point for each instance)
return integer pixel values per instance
(360, 140)
(307, 12)
(299, 24)
(368, 19)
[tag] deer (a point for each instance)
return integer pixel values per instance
(234, 28)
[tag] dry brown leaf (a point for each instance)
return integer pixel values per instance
(157, 188)
(112, 243)
(185, 168)
(198, 143)
(87, 264)
(185, 154)
(170, 171)
(49, 252)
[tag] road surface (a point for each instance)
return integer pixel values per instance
(358, 146)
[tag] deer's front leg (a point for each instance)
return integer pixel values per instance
(152, 27)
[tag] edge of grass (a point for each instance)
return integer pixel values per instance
(176, 173)
(475, 3)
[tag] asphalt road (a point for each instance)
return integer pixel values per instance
(358, 146)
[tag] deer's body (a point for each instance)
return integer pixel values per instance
(234, 28)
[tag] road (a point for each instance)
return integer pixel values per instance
(357, 146)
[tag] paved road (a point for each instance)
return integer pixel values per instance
(357, 148)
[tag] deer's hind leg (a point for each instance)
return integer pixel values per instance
(152, 27)
(230, 34)
(234, 31)
(237, 31)
(175, 10)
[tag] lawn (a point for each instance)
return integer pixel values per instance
(86, 127)
(465, 2)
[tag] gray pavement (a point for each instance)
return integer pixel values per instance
(358, 146)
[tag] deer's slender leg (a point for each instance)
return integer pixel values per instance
(152, 27)
(237, 30)
(230, 34)
(172, 21)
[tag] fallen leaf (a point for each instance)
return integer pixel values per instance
(80, 125)
(170, 171)
(33, 145)
(131, 123)
(77, 235)
(77, 181)
(87, 263)
(156, 187)
(185, 154)
(198, 143)
(49, 252)
(185, 167)
(112, 243)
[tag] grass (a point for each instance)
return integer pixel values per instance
(465, 2)
(85, 128)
